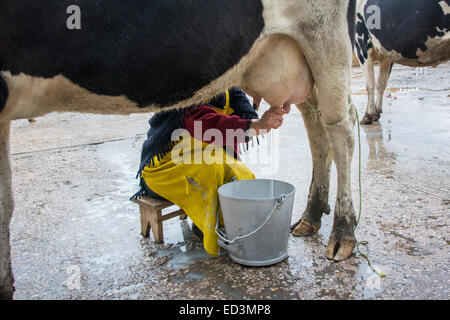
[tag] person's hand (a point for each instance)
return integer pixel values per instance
(271, 119)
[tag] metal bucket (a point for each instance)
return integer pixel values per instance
(257, 216)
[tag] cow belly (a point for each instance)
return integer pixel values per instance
(278, 71)
(33, 96)
(437, 52)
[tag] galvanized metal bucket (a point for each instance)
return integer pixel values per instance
(257, 216)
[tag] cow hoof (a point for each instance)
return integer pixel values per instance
(367, 120)
(376, 117)
(340, 246)
(304, 228)
(6, 293)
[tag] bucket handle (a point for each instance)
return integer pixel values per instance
(230, 244)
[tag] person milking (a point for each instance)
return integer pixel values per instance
(188, 172)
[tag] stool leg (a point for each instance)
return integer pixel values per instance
(145, 223)
(183, 216)
(156, 225)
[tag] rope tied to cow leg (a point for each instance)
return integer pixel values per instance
(364, 242)
(313, 110)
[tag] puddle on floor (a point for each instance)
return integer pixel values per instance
(181, 257)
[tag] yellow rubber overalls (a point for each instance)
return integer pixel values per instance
(193, 187)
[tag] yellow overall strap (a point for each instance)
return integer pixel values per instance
(226, 109)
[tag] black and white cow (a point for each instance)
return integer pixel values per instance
(414, 33)
(151, 55)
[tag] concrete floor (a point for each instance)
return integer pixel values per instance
(75, 235)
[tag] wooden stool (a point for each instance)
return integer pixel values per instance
(152, 218)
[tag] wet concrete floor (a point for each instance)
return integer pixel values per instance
(75, 235)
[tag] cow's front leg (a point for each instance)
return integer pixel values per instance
(317, 205)
(383, 79)
(6, 210)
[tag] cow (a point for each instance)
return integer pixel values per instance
(413, 33)
(142, 56)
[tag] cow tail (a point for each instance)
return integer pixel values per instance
(351, 18)
(3, 92)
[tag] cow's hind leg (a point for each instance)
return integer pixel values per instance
(317, 205)
(383, 79)
(6, 210)
(333, 83)
(342, 239)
